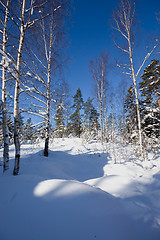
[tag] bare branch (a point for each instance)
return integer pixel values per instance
(39, 60)
(118, 29)
(124, 50)
(38, 99)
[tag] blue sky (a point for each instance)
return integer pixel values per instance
(91, 33)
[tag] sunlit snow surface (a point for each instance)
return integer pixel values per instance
(79, 193)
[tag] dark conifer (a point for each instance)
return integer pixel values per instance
(91, 119)
(76, 118)
(59, 119)
(131, 115)
(150, 92)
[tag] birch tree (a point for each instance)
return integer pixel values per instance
(98, 68)
(48, 47)
(4, 82)
(24, 14)
(124, 17)
(26, 18)
(45, 63)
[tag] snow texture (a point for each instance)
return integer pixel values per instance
(79, 193)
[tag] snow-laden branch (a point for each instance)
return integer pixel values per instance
(34, 113)
(36, 98)
(39, 106)
(33, 89)
(145, 59)
(3, 4)
(38, 76)
(127, 73)
(38, 19)
(7, 62)
(35, 125)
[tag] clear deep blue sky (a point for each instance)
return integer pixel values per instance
(91, 33)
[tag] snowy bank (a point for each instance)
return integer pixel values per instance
(79, 193)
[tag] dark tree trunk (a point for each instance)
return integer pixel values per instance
(17, 147)
(46, 147)
(4, 95)
(17, 161)
(6, 155)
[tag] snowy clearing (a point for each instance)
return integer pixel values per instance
(78, 192)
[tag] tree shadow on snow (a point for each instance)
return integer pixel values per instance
(62, 165)
(143, 202)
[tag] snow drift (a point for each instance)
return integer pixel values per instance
(53, 198)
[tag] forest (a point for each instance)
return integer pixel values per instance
(76, 167)
(33, 42)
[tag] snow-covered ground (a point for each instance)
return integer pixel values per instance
(79, 193)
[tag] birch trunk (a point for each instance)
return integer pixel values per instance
(5, 126)
(97, 69)
(101, 115)
(106, 130)
(16, 96)
(79, 124)
(124, 19)
(48, 97)
(4, 97)
(100, 98)
(16, 129)
(137, 100)
(101, 102)
(47, 120)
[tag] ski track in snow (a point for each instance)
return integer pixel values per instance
(78, 192)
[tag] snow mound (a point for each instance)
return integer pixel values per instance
(64, 209)
(78, 193)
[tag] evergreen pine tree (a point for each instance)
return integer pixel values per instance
(59, 119)
(150, 92)
(94, 122)
(88, 106)
(91, 124)
(1, 131)
(28, 131)
(150, 86)
(131, 115)
(76, 118)
(40, 132)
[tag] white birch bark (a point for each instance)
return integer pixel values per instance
(100, 99)
(43, 75)
(23, 28)
(124, 18)
(48, 110)
(98, 69)
(101, 102)
(136, 96)
(106, 130)
(17, 92)
(4, 94)
(48, 58)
